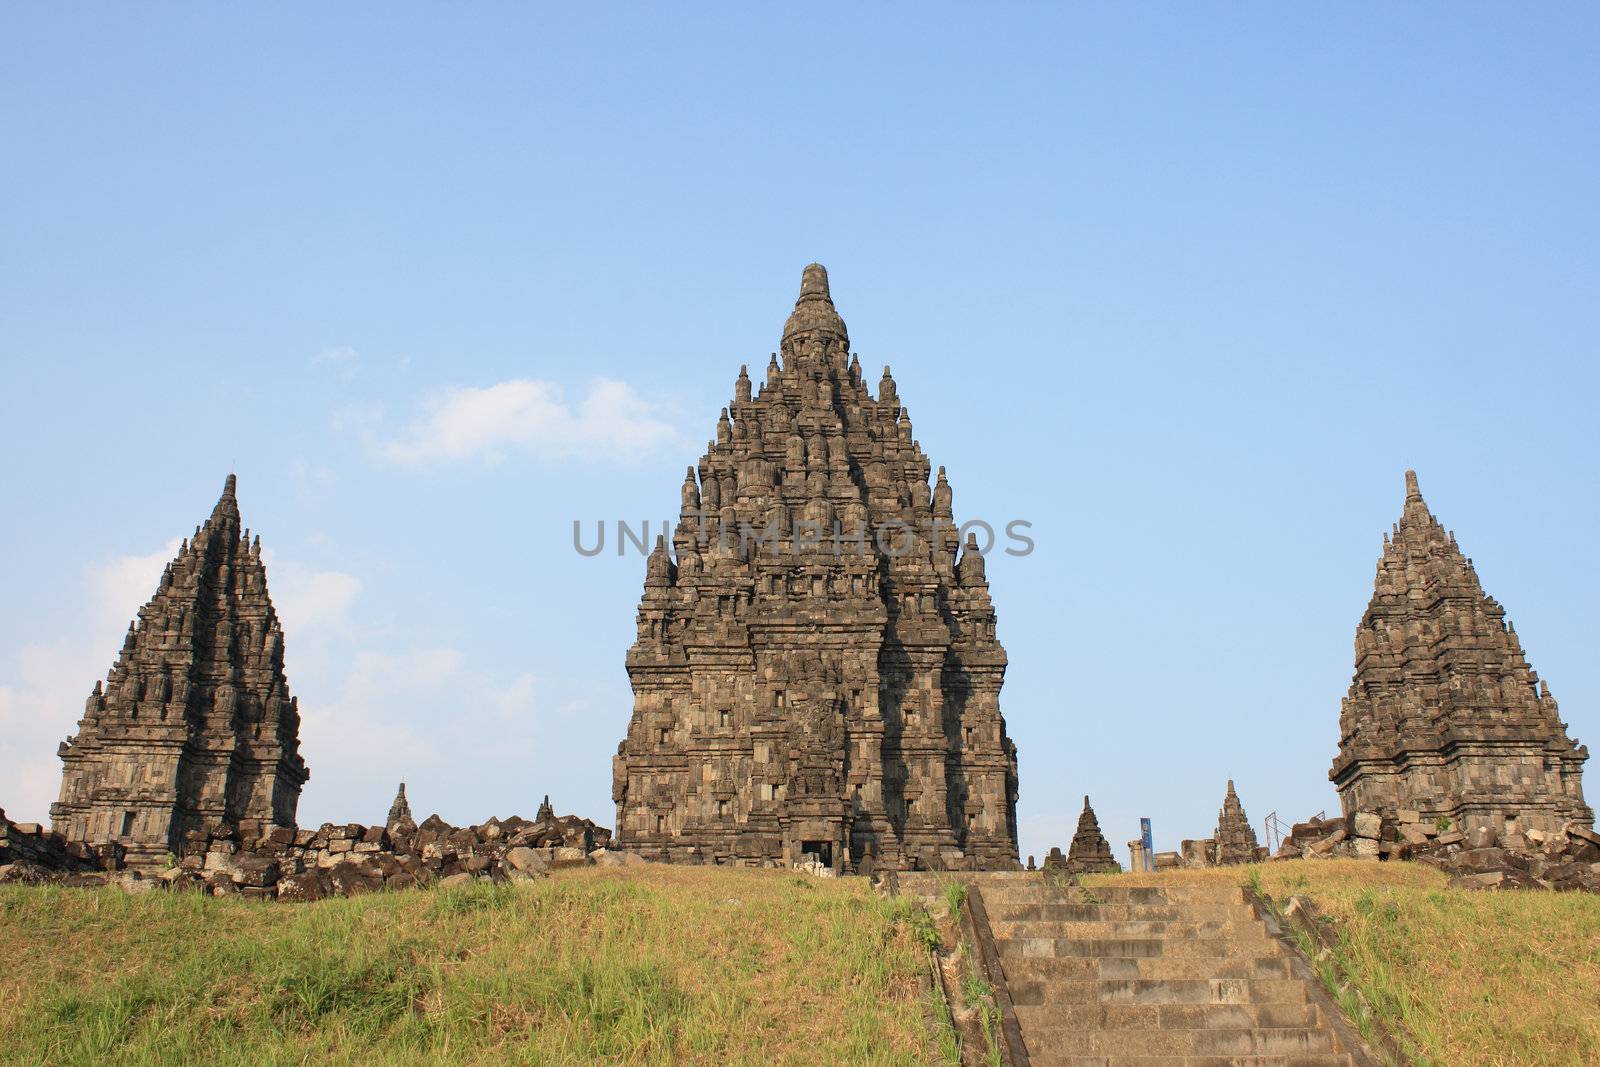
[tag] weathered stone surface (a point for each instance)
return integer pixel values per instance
(1366, 824)
(816, 670)
(194, 726)
(523, 858)
(1445, 719)
(1586, 833)
(303, 888)
(1486, 880)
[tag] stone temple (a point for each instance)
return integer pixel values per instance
(194, 729)
(1445, 718)
(816, 672)
(1235, 839)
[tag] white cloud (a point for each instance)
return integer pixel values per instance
(422, 715)
(45, 684)
(47, 681)
(532, 416)
(342, 358)
(309, 600)
(38, 709)
(375, 710)
(119, 587)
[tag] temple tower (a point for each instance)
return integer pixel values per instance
(399, 820)
(1089, 852)
(816, 669)
(1444, 716)
(194, 727)
(1235, 837)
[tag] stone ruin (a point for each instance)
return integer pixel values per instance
(1477, 858)
(1089, 852)
(399, 820)
(186, 767)
(1233, 842)
(1445, 717)
(194, 729)
(30, 853)
(808, 691)
(1236, 840)
(816, 677)
(268, 861)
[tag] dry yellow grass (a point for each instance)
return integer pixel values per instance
(639, 965)
(1471, 979)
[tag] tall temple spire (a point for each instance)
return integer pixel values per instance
(798, 689)
(194, 728)
(1444, 716)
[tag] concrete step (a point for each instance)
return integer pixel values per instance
(1179, 1042)
(934, 881)
(1141, 895)
(1137, 947)
(1038, 1018)
(1308, 1059)
(1064, 911)
(1111, 930)
(1027, 990)
(1149, 968)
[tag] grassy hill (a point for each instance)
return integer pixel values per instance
(638, 965)
(1462, 978)
(694, 965)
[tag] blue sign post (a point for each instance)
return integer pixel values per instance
(1148, 843)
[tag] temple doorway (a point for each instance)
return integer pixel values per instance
(821, 850)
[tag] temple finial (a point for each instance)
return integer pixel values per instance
(1413, 491)
(227, 503)
(814, 282)
(814, 312)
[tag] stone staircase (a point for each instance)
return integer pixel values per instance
(1137, 976)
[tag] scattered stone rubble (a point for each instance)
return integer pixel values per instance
(30, 853)
(263, 860)
(1479, 858)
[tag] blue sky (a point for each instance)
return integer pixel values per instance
(1187, 288)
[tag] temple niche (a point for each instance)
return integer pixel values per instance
(194, 728)
(1444, 716)
(816, 673)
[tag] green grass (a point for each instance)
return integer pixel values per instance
(643, 966)
(955, 896)
(1466, 979)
